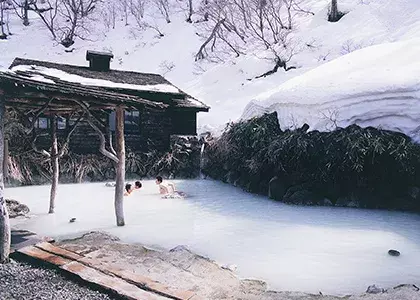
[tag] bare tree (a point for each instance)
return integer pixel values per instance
(163, 6)
(56, 152)
(7, 16)
(190, 11)
(3, 7)
(75, 12)
(137, 8)
(239, 25)
(334, 15)
(65, 19)
(22, 8)
(125, 9)
(48, 14)
(108, 13)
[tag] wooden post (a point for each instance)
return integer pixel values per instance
(6, 160)
(54, 162)
(120, 176)
(4, 216)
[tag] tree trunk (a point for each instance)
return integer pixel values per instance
(5, 160)
(190, 11)
(333, 17)
(25, 13)
(120, 177)
(54, 162)
(3, 35)
(4, 216)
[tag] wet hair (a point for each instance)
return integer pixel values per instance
(138, 184)
(128, 187)
(159, 178)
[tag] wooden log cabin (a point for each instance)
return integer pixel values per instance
(155, 108)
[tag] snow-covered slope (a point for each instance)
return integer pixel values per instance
(229, 86)
(375, 86)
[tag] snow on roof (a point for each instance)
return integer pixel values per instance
(375, 86)
(38, 71)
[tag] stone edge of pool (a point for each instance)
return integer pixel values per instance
(134, 271)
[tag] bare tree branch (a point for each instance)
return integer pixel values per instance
(67, 138)
(35, 148)
(201, 52)
(238, 26)
(111, 147)
(36, 116)
(90, 119)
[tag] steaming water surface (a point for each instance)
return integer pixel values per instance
(333, 250)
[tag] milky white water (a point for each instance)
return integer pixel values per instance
(333, 250)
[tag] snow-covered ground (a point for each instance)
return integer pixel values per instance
(229, 86)
(332, 250)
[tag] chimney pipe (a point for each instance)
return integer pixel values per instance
(99, 61)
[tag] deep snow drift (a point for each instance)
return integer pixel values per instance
(376, 86)
(228, 87)
(312, 249)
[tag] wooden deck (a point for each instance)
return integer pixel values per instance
(124, 283)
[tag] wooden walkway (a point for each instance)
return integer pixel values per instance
(127, 284)
(23, 238)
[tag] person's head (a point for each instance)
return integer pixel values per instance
(137, 184)
(159, 179)
(128, 187)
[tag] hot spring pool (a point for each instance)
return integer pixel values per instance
(333, 250)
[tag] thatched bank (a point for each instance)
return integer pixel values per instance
(353, 166)
(27, 167)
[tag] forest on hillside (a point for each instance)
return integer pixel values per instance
(226, 27)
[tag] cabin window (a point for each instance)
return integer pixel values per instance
(61, 123)
(41, 123)
(45, 123)
(131, 121)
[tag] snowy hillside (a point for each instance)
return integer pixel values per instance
(227, 87)
(375, 86)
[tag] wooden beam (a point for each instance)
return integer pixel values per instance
(120, 176)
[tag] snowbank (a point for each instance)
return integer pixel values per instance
(375, 86)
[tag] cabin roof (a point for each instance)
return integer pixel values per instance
(143, 88)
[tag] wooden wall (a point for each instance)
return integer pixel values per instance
(184, 122)
(156, 127)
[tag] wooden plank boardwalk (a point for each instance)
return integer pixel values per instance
(124, 283)
(23, 238)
